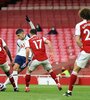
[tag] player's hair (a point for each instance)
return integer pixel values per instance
(85, 13)
(33, 31)
(19, 31)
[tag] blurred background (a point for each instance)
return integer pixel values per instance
(60, 14)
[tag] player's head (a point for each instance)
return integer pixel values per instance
(84, 13)
(33, 32)
(20, 34)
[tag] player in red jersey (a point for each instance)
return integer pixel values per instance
(3, 61)
(37, 46)
(82, 36)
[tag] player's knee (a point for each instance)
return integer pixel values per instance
(15, 68)
(76, 69)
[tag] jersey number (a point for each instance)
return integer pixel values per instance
(88, 34)
(38, 44)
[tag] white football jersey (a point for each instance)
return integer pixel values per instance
(21, 51)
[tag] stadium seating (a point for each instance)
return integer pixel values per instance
(46, 13)
(46, 18)
(64, 45)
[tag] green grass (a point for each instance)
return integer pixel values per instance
(39, 92)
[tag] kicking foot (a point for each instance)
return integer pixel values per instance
(16, 90)
(67, 94)
(3, 89)
(27, 89)
(59, 87)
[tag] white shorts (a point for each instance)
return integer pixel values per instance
(5, 67)
(82, 59)
(35, 63)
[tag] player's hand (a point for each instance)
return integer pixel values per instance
(12, 64)
(27, 19)
(26, 62)
(51, 57)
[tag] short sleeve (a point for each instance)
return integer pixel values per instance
(3, 43)
(77, 30)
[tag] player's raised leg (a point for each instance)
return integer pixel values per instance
(53, 75)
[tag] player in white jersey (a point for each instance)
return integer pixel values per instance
(19, 63)
(21, 54)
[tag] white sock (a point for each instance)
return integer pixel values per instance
(69, 91)
(15, 76)
(6, 82)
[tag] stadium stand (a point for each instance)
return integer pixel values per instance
(59, 13)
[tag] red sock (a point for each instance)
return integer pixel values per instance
(12, 81)
(27, 80)
(53, 75)
(72, 81)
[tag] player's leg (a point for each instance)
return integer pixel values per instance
(6, 69)
(31, 67)
(48, 67)
(27, 80)
(53, 75)
(15, 73)
(11, 79)
(81, 62)
(17, 68)
(15, 76)
(73, 76)
(6, 82)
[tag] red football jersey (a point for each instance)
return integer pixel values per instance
(2, 52)
(83, 29)
(38, 48)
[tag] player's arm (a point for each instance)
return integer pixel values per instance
(27, 46)
(77, 35)
(7, 50)
(78, 41)
(8, 53)
(30, 22)
(18, 47)
(27, 54)
(50, 46)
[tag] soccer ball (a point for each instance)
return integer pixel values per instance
(1, 86)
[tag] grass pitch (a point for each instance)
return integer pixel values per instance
(39, 92)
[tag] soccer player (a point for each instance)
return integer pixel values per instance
(19, 63)
(4, 51)
(82, 36)
(37, 46)
(21, 54)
